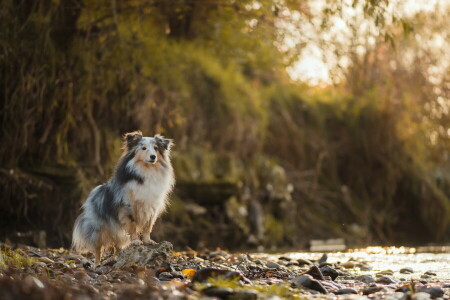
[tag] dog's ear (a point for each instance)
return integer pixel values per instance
(131, 139)
(165, 143)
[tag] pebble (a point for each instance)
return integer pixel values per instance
(308, 282)
(323, 259)
(406, 270)
(272, 265)
(315, 272)
(386, 280)
(102, 277)
(46, 260)
(303, 262)
(81, 275)
(329, 271)
(284, 258)
(365, 278)
(346, 291)
(39, 264)
(434, 292)
(348, 265)
(372, 290)
(421, 296)
(219, 292)
(166, 276)
(31, 281)
(430, 273)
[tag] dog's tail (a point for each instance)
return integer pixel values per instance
(85, 233)
(87, 226)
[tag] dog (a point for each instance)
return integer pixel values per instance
(118, 212)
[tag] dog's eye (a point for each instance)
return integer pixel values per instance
(144, 148)
(156, 147)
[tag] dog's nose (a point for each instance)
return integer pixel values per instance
(152, 157)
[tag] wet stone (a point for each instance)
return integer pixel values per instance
(310, 283)
(303, 262)
(434, 292)
(219, 292)
(365, 278)
(386, 280)
(421, 296)
(272, 265)
(346, 291)
(315, 272)
(406, 270)
(329, 271)
(372, 290)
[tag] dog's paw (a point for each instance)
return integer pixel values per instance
(150, 242)
(136, 242)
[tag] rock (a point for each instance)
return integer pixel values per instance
(315, 272)
(165, 276)
(430, 273)
(87, 264)
(39, 264)
(303, 262)
(421, 296)
(372, 290)
(386, 280)
(329, 271)
(348, 265)
(272, 265)
(386, 272)
(346, 291)
(365, 278)
(406, 270)
(284, 258)
(203, 275)
(352, 297)
(323, 259)
(32, 282)
(144, 255)
(102, 277)
(219, 292)
(310, 283)
(81, 275)
(245, 295)
(434, 292)
(46, 260)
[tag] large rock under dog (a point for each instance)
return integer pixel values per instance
(144, 255)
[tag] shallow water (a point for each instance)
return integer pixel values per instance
(381, 259)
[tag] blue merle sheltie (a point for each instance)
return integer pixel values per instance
(124, 209)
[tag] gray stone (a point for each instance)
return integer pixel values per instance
(365, 278)
(406, 270)
(329, 271)
(421, 296)
(310, 283)
(144, 255)
(386, 280)
(272, 265)
(434, 292)
(346, 291)
(302, 262)
(372, 290)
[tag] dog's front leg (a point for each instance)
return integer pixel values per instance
(132, 230)
(147, 230)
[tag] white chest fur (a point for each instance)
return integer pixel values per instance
(149, 198)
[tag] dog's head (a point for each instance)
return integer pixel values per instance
(148, 150)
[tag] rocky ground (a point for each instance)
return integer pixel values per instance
(156, 272)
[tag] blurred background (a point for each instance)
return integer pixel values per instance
(293, 119)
